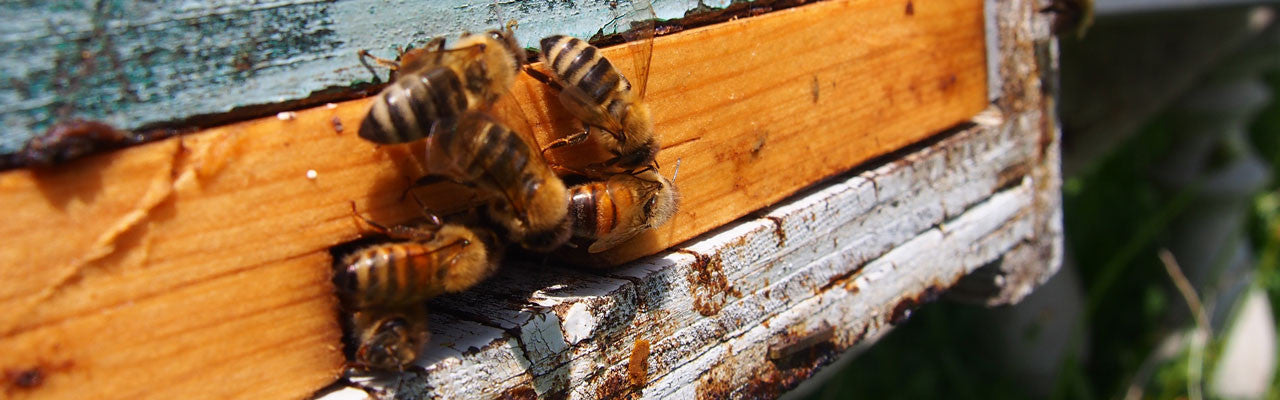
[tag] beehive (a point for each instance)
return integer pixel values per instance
(842, 162)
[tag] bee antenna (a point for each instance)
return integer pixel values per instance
(676, 172)
(432, 217)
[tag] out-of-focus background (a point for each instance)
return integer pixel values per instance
(1171, 138)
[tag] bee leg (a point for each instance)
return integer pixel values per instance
(389, 64)
(563, 170)
(432, 218)
(603, 168)
(392, 65)
(541, 77)
(433, 179)
(438, 44)
(568, 140)
(399, 231)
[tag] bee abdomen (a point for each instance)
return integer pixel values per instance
(490, 152)
(579, 64)
(396, 274)
(592, 211)
(407, 110)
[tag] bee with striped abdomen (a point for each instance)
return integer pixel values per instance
(436, 85)
(618, 209)
(435, 258)
(596, 93)
(526, 198)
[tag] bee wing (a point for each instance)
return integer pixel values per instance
(579, 104)
(512, 116)
(636, 24)
(510, 194)
(509, 111)
(435, 54)
(615, 238)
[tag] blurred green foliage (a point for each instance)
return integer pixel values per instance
(1265, 224)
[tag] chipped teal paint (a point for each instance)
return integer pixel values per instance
(131, 63)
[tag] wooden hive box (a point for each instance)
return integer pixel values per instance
(842, 162)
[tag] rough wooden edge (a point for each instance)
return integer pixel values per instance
(892, 238)
(209, 188)
(857, 254)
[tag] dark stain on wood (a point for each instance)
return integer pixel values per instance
(790, 345)
(709, 286)
(837, 279)
(523, 392)
(69, 140)
(815, 89)
(911, 8)
(698, 17)
(777, 231)
(26, 378)
(31, 377)
(614, 386)
(337, 125)
(717, 383)
(903, 308)
(762, 138)
(947, 83)
(1011, 176)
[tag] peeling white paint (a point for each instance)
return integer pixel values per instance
(579, 323)
(842, 253)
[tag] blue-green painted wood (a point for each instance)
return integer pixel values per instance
(131, 63)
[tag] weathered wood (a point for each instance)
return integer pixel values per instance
(163, 247)
(857, 254)
(833, 100)
(132, 64)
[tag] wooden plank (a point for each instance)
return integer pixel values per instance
(134, 64)
(856, 254)
(207, 228)
(862, 93)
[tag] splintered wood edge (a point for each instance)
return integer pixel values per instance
(120, 235)
(857, 254)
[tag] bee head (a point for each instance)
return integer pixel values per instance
(390, 346)
(640, 156)
(661, 198)
(507, 37)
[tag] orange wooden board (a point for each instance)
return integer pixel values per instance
(178, 266)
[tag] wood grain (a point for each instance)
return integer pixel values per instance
(757, 109)
(178, 266)
(857, 254)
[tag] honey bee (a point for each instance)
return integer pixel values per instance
(435, 258)
(389, 339)
(436, 85)
(621, 207)
(528, 201)
(444, 103)
(596, 93)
